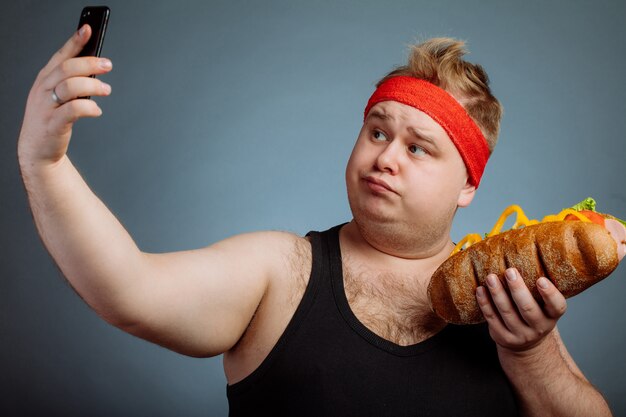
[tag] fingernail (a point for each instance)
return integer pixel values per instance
(106, 88)
(81, 31)
(542, 282)
(105, 63)
(480, 292)
(491, 280)
(510, 275)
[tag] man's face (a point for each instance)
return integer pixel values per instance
(405, 177)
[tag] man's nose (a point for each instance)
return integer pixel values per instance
(389, 158)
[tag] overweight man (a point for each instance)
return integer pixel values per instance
(335, 323)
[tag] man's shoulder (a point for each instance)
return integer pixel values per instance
(272, 240)
(283, 249)
(269, 240)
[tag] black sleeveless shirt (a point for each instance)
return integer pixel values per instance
(327, 363)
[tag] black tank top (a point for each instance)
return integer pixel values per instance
(327, 363)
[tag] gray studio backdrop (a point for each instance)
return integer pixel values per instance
(228, 117)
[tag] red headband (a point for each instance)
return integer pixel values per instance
(443, 109)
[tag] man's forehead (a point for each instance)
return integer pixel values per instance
(420, 123)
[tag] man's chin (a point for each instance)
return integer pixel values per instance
(378, 223)
(373, 217)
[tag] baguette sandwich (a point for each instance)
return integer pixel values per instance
(574, 249)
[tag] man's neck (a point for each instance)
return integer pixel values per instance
(380, 251)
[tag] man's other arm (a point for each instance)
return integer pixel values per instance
(543, 374)
(549, 383)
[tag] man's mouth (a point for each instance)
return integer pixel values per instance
(378, 185)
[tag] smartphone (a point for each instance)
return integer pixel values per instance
(97, 17)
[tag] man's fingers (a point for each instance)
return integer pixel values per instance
(489, 311)
(516, 320)
(81, 87)
(503, 303)
(70, 49)
(76, 67)
(555, 304)
(527, 306)
(71, 111)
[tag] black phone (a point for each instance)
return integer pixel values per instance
(97, 17)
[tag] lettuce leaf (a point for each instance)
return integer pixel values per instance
(587, 204)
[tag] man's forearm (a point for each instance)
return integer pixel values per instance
(90, 246)
(546, 385)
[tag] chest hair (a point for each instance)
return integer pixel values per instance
(392, 305)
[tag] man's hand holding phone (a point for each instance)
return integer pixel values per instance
(56, 101)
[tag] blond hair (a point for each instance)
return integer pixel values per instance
(439, 61)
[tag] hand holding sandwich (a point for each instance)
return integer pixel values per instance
(523, 325)
(531, 351)
(516, 320)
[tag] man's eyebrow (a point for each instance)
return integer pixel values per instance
(423, 136)
(377, 114)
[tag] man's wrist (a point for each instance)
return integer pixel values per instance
(33, 168)
(545, 347)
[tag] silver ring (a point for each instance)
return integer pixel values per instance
(56, 98)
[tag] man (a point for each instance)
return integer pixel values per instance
(335, 323)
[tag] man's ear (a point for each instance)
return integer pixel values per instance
(466, 195)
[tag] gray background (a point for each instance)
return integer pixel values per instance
(239, 116)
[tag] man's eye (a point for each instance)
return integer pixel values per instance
(417, 150)
(379, 136)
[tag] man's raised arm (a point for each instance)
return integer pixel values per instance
(195, 302)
